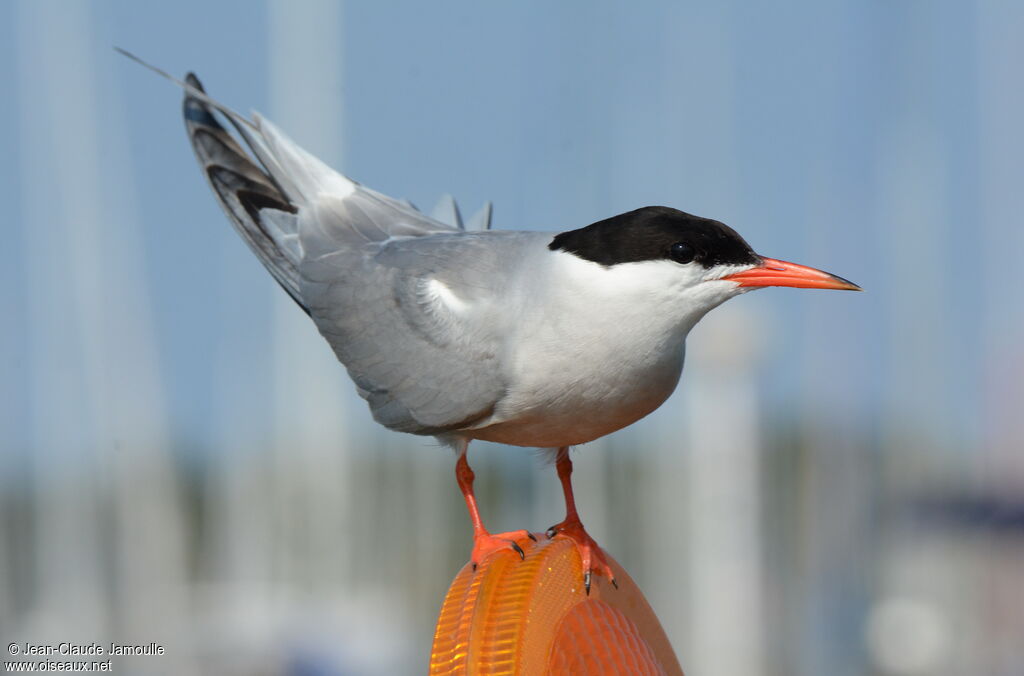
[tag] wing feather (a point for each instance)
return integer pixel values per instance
(361, 264)
(424, 365)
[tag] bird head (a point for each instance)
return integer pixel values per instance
(691, 264)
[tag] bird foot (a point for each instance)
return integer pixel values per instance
(592, 556)
(485, 544)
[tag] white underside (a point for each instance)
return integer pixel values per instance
(603, 350)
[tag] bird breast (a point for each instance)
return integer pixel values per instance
(582, 391)
(585, 365)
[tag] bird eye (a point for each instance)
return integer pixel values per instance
(682, 252)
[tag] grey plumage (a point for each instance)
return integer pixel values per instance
(255, 206)
(423, 367)
(360, 264)
(481, 220)
(447, 211)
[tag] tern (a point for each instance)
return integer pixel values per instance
(533, 339)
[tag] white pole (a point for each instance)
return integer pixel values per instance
(726, 616)
(96, 392)
(313, 513)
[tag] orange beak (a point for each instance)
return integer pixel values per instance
(773, 272)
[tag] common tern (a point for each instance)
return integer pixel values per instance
(532, 339)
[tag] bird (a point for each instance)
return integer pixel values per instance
(528, 338)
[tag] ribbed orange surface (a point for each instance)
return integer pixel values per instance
(534, 617)
(594, 637)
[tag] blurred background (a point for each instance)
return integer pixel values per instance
(836, 488)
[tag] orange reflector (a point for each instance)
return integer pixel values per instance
(534, 617)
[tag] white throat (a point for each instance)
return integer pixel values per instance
(603, 349)
(658, 298)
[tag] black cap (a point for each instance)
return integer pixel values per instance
(655, 233)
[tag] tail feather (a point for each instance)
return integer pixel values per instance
(302, 175)
(481, 220)
(262, 213)
(447, 211)
(288, 205)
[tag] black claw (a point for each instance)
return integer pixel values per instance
(586, 581)
(519, 549)
(614, 583)
(530, 535)
(474, 567)
(551, 532)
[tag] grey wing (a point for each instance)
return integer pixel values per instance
(252, 200)
(351, 258)
(419, 325)
(269, 198)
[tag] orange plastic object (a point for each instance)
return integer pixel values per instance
(533, 617)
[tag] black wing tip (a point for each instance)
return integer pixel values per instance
(193, 80)
(195, 109)
(197, 112)
(255, 201)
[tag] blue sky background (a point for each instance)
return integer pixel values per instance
(878, 140)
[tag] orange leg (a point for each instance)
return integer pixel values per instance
(484, 543)
(591, 554)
